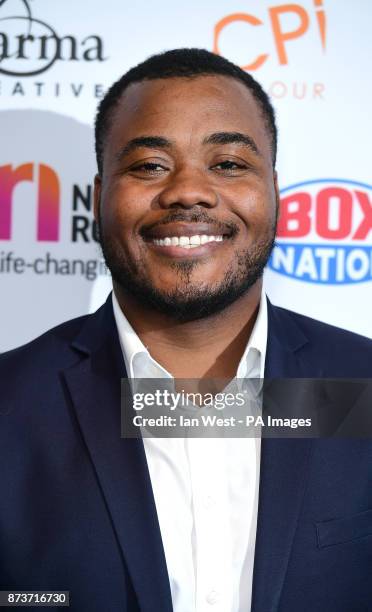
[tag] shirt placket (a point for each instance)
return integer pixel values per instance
(212, 554)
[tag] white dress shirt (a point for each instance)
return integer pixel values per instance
(206, 492)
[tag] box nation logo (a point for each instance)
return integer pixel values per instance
(324, 232)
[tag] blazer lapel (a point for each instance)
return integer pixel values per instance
(283, 472)
(120, 464)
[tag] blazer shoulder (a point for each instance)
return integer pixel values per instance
(328, 339)
(48, 350)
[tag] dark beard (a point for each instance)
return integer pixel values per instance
(189, 302)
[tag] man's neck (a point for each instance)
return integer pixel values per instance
(207, 348)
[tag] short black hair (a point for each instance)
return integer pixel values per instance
(186, 63)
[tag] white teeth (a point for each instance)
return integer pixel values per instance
(187, 242)
(195, 240)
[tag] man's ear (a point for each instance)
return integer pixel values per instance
(277, 193)
(97, 196)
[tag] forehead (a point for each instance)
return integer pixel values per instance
(183, 108)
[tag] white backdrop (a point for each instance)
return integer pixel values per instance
(312, 56)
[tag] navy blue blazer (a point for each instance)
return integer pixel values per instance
(77, 510)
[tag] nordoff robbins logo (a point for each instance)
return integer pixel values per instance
(30, 46)
(324, 232)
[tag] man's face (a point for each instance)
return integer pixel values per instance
(187, 201)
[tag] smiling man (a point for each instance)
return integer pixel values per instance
(187, 202)
(186, 199)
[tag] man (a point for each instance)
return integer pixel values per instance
(186, 198)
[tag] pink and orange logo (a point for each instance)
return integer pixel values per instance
(48, 199)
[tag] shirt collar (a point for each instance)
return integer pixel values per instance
(138, 361)
(252, 363)
(140, 364)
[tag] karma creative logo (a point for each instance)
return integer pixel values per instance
(324, 232)
(30, 46)
(285, 23)
(48, 199)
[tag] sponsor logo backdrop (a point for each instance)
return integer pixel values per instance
(57, 59)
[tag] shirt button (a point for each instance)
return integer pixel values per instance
(209, 502)
(212, 597)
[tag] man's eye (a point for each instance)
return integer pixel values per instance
(229, 166)
(149, 168)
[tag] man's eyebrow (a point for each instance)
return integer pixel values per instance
(148, 142)
(233, 138)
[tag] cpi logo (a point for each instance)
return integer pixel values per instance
(47, 209)
(277, 16)
(323, 232)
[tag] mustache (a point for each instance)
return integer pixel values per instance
(222, 227)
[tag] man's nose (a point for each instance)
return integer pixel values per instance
(187, 188)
